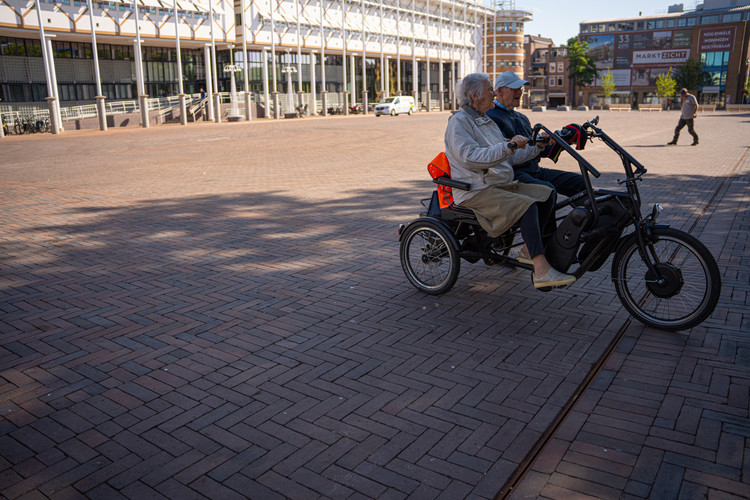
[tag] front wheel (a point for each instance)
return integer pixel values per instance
(429, 257)
(679, 292)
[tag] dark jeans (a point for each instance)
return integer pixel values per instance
(565, 183)
(536, 217)
(680, 125)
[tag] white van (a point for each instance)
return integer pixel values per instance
(395, 105)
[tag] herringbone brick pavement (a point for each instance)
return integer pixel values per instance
(218, 311)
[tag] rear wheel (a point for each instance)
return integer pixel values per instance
(411, 111)
(679, 292)
(429, 257)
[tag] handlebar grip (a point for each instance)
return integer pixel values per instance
(512, 145)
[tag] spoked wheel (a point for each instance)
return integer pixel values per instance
(679, 292)
(429, 257)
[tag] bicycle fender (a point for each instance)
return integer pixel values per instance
(624, 238)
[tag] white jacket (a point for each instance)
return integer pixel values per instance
(479, 154)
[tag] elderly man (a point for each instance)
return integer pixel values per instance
(508, 92)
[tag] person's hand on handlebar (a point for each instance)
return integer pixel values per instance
(542, 139)
(519, 141)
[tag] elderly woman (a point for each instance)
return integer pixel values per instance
(480, 155)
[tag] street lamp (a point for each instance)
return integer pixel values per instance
(289, 70)
(233, 115)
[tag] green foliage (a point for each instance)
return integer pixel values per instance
(608, 84)
(691, 75)
(666, 86)
(582, 68)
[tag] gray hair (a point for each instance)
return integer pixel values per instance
(470, 84)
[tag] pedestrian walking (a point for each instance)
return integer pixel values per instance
(688, 110)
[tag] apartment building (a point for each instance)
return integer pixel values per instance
(546, 70)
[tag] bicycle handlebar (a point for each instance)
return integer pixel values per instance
(559, 141)
(592, 125)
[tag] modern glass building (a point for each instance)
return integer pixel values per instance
(356, 49)
(638, 49)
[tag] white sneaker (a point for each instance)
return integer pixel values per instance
(553, 278)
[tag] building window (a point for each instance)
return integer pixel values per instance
(552, 81)
(731, 18)
(709, 19)
(552, 67)
(559, 82)
(561, 67)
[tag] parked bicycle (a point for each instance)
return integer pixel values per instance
(29, 125)
(664, 277)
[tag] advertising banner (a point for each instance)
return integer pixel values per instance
(633, 41)
(640, 77)
(621, 77)
(662, 40)
(682, 39)
(623, 59)
(601, 50)
(716, 39)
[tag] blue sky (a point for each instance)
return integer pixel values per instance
(559, 20)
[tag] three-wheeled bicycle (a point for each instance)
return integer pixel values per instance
(664, 277)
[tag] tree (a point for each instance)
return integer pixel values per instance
(666, 86)
(608, 85)
(691, 75)
(582, 70)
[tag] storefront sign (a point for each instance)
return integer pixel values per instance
(660, 57)
(716, 39)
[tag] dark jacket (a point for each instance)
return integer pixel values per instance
(512, 124)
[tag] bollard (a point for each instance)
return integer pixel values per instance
(101, 110)
(143, 103)
(248, 113)
(183, 110)
(217, 107)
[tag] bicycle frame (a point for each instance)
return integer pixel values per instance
(634, 172)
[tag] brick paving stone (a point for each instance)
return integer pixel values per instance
(226, 301)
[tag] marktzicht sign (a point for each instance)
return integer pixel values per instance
(659, 57)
